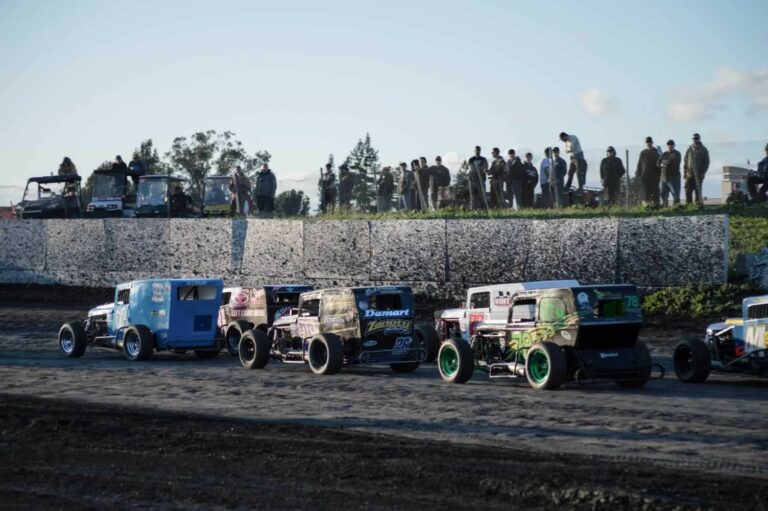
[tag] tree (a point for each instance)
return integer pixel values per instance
(152, 162)
(292, 203)
(232, 153)
(461, 188)
(365, 160)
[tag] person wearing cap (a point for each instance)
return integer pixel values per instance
(573, 147)
(544, 167)
(441, 177)
(669, 164)
(611, 172)
(328, 189)
(696, 164)
(561, 169)
(478, 166)
(759, 177)
(649, 174)
(531, 179)
(346, 186)
(119, 164)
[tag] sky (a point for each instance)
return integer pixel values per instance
(301, 79)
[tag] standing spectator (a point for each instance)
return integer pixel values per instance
(424, 176)
(240, 186)
(561, 169)
(407, 185)
(649, 174)
(531, 180)
(478, 166)
(346, 185)
(611, 172)
(264, 191)
(696, 166)
(669, 163)
(544, 166)
(136, 168)
(328, 187)
(759, 177)
(573, 147)
(385, 187)
(181, 203)
(441, 177)
(514, 176)
(119, 164)
(496, 174)
(67, 168)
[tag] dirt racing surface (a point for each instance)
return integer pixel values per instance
(182, 433)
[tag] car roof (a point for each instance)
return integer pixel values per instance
(54, 179)
(183, 282)
(515, 287)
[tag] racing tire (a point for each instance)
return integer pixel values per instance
(72, 339)
(429, 338)
(455, 361)
(235, 330)
(404, 367)
(325, 354)
(138, 343)
(206, 354)
(545, 366)
(645, 365)
(691, 360)
(254, 349)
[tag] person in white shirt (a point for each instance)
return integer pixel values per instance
(573, 147)
(544, 178)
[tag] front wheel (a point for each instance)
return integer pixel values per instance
(644, 365)
(235, 330)
(72, 339)
(455, 361)
(429, 338)
(692, 361)
(254, 349)
(137, 343)
(325, 354)
(545, 366)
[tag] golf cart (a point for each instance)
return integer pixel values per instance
(216, 196)
(113, 194)
(51, 197)
(158, 197)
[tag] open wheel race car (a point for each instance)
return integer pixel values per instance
(581, 333)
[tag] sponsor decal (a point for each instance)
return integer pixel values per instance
(243, 313)
(386, 314)
(281, 312)
(240, 299)
(566, 335)
(333, 320)
(401, 344)
(502, 301)
(583, 300)
(388, 325)
(160, 290)
(611, 354)
(370, 343)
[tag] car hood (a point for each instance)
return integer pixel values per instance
(101, 309)
(449, 314)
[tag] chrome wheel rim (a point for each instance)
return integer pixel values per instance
(67, 341)
(132, 345)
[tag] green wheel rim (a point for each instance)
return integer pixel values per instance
(538, 366)
(449, 361)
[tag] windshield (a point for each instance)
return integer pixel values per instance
(45, 191)
(152, 192)
(216, 191)
(106, 186)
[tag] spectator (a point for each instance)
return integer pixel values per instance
(406, 186)
(264, 191)
(696, 166)
(346, 185)
(67, 168)
(561, 169)
(649, 173)
(669, 163)
(478, 166)
(424, 176)
(328, 190)
(385, 187)
(611, 172)
(759, 177)
(515, 176)
(180, 202)
(544, 167)
(240, 186)
(441, 177)
(530, 182)
(136, 168)
(496, 174)
(573, 147)
(119, 164)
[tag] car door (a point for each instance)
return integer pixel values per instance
(522, 320)
(308, 321)
(479, 310)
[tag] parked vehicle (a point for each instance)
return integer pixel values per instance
(51, 197)
(344, 326)
(157, 197)
(245, 308)
(736, 345)
(581, 333)
(113, 194)
(148, 316)
(216, 196)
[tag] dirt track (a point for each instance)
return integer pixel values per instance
(346, 440)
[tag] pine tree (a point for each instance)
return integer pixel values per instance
(364, 160)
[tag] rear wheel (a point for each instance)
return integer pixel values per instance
(72, 339)
(545, 366)
(254, 349)
(325, 354)
(235, 330)
(455, 361)
(138, 343)
(429, 338)
(692, 361)
(644, 365)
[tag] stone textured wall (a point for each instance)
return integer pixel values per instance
(439, 258)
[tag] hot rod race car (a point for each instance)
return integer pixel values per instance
(333, 327)
(582, 333)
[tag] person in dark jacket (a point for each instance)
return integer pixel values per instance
(669, 163)
(385, 187)
(119, 164)
(67, 168)
(514, 176)
(611, 172)
(478, 166)
(531, 180)
(328, 187)
(496, 178)
(561, 169)
(441, 177)
(649, 173)
(696, 164)
(759, 177)
(264, 191)
(240, 186)
(346, 185)
(406, 186)
(424, 176)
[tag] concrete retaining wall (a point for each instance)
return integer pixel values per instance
(439, 258)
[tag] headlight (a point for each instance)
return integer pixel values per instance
(89, 208)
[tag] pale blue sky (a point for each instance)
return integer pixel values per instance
(92, 79)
